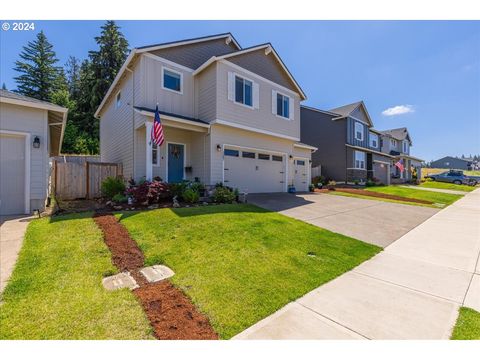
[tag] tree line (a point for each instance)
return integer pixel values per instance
(79, 85)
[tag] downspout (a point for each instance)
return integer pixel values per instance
(133, 120)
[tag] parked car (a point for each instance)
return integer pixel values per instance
(455, 177)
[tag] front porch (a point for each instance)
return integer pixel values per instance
(411, 171)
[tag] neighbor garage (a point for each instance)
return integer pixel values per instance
(30, 131)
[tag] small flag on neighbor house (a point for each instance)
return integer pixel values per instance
(157, 129)
(399, 165)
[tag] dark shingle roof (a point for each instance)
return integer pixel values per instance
(16, 96)
(191, 39)
(346, 110)
(172, 114)
(399, 134)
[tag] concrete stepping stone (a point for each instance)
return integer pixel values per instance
(119, 281)
(156, 273)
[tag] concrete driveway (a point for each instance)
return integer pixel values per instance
(375, 222)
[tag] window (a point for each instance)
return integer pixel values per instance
(358, 131)
(359, 160)
(301, 162)
(249, 155)
(405, 147)
(229, 152)
(373, 140)
(172, 80)
(277, 158)
(243, 91)
(283, 106)
(263, 157)
(118, 101)
(393, 142)
(154, 154)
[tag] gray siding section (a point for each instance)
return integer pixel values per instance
(329, 136)
(360, 114)
(450, 162)
(351, 133)
(264, 65)
(206, 94)
(194, 55)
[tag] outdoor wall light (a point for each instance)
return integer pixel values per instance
(219, 147)
(290, 157)
(36, 142)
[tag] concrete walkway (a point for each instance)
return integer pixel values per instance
(412, 290)
(445, 191)
(12, 231)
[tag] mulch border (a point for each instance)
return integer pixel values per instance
(376, 194)
(171, 313)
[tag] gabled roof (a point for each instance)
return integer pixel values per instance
(268, 48)
(399, 134)
(347, 110)
(29, 101)
(189, 41)
(320, 110)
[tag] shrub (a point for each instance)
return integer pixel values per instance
(331, 185)
(178, 189)
(191, 196)
(119, 198)
(311, 187)
(319, 180)
(223, 195)
(370, 183)
(112, 186)
(149, 192)
(356, 181)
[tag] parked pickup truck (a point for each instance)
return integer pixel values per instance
(455, 177)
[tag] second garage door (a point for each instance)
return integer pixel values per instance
(381, 172)
(254, 171)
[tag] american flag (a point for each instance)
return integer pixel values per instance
(157, 130)
(399, 165)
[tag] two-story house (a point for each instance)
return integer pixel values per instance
(229, 114)
(349, 146)
(397, 143)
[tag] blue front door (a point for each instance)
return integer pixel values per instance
(176, 153)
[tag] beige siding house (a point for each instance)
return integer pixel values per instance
(30, 131)
(229, 115)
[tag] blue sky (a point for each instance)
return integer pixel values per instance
(429, 70)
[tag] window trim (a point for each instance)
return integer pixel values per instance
(289, 105)
(156, 160)
(235, 75)
(263, 156)
(372, 136)
(118, 100)
(360, 161)
(393, 142)
(362, 132)
(249, 153)
(405, 146)
(175, 72)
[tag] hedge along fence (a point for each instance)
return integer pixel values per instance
(82, 180)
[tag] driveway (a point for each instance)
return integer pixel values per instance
(372, 221)
(411, 290)
(12, 231)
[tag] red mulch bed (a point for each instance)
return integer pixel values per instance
(376, 194)
(170, 312)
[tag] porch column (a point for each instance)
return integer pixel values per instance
(148, 144)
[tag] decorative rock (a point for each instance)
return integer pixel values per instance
(176, 204)
(108, 203)
(118, 207)
(119, 281)
(156, 273)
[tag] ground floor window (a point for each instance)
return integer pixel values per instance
(154, 154)
(359, 159)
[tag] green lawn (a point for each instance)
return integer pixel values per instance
(467, 326)
(56, 291)
(240, 263)
(366, 197)
(435, 197)
(447, 186)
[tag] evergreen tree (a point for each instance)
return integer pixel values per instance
(38, 73)
(72, 70)
(4, 86)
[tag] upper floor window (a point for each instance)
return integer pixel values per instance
(393, 142)
(405, 147)
(243, 91)
(118, 100)
(283, 106)
(373, 140)
(172, 80)
(359, 159)
(358, 131)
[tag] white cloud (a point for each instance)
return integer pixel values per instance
(398, 110)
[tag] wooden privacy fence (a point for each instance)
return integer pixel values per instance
(82, 180)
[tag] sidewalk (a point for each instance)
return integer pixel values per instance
(446, 191)
(412, 290)
(12, 230)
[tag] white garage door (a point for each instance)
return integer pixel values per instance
(12, 174)
(300, 176)
(380, 171)
(254, 171)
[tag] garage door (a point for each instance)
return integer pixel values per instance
(254, 171)
(300, 176)
(380, 171)
(12, 174)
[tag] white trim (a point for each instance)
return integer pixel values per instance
(369, 150)
(305, 146)
(309, 169)
(320, 111)
(175, 72)
(249, 128)
(171, 118)
(290, 107)
(381, 162)
(184, 158)
(235, 75)
(168, 62)
(157, 163)
(360, 160)
(362, 137)
(27, 184)
(148, 157)
(370, 133)
(186, 42)
(204, 65)
(36, 105)
(118, 101)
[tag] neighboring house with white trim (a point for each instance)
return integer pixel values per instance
(30, 132)
(230, 115)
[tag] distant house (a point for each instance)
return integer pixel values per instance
(450, 162)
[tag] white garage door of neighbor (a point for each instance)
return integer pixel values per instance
(12, 174)
(300, 178)
(254, 171)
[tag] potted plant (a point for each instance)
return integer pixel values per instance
(331, 185)
(311, 187)
(291, 189)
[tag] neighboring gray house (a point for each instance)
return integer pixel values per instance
(348, 146)
(397, 143)
(450, 162)
(30, 131)
(230, 115)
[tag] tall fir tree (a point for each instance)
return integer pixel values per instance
(4, 86)
(72, 71)
(39, 75)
